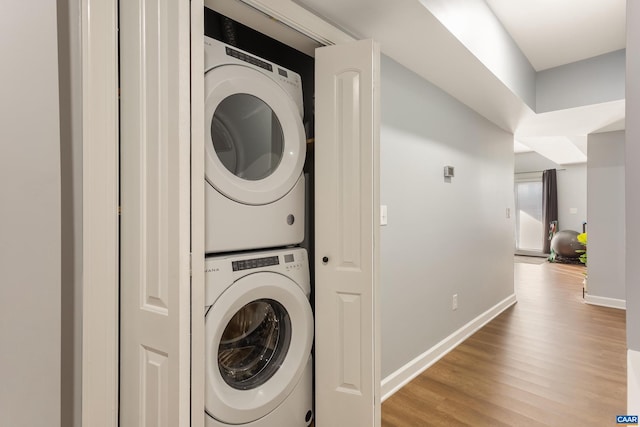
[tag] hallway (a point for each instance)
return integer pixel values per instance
(550, 360)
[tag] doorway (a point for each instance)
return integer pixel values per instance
(529, 228)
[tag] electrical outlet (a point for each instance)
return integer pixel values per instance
(454, 302)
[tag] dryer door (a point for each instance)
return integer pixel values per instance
(258, 340)
(254, 137)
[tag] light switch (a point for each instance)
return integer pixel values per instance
(573, 210)
(383, 214)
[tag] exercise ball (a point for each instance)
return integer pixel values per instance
(565, 243)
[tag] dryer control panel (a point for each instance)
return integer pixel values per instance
(217, 54)
(250, 59)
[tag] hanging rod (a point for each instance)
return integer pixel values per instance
(560, 169)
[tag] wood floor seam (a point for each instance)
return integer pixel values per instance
(549, 360)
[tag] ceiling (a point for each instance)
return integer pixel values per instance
(557, 32)
(551, 33)
(548, 32)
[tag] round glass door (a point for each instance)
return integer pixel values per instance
(258, 336)
(254, 137)
(247, 136)
(254, 343)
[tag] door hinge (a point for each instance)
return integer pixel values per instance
(119, 210)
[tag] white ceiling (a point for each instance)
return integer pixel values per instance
(549, 32)
(557, 32)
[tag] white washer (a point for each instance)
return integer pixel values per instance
(259, 333)
(255, 152)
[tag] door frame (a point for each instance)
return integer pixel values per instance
(100, 242)
(300, 19)
(99, 21)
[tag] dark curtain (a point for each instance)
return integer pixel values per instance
(549, 205)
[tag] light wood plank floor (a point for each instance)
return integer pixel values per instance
(550, 360)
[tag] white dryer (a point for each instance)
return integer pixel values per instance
(255, 152)
(259, 333)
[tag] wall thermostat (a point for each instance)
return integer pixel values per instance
(448, 171)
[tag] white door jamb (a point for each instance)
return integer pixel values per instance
(100, 213)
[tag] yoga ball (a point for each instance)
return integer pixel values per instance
(565, 243)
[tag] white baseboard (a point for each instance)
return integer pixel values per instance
(633, 382)
(405, 374)
(605, 301)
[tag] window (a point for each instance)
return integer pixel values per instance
(529, 230)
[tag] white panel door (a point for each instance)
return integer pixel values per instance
(347, 235)
(155, 213)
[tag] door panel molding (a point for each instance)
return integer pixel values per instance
(347, 235)
(155, 239)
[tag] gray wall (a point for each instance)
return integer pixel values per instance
(591, 81)
(572, 187)
(572, 196)
(605, 182)
(443, 238)
(632, 176)
(30, 243)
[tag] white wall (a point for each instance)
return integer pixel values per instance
(443, 238)
(605, 182)
(572, 187)
(532, 161)
(591, 81)
(489, 41)
(632, 205)
(30, 242)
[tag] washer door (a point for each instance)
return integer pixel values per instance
(259, 334)
(254, 137)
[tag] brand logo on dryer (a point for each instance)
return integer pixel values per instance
(211, 270)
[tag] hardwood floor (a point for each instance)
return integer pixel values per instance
(550, 360)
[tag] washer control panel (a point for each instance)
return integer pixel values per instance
(222, 271)
(290, 263)
(247, 264)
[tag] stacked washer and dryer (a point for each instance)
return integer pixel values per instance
(259, 322)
